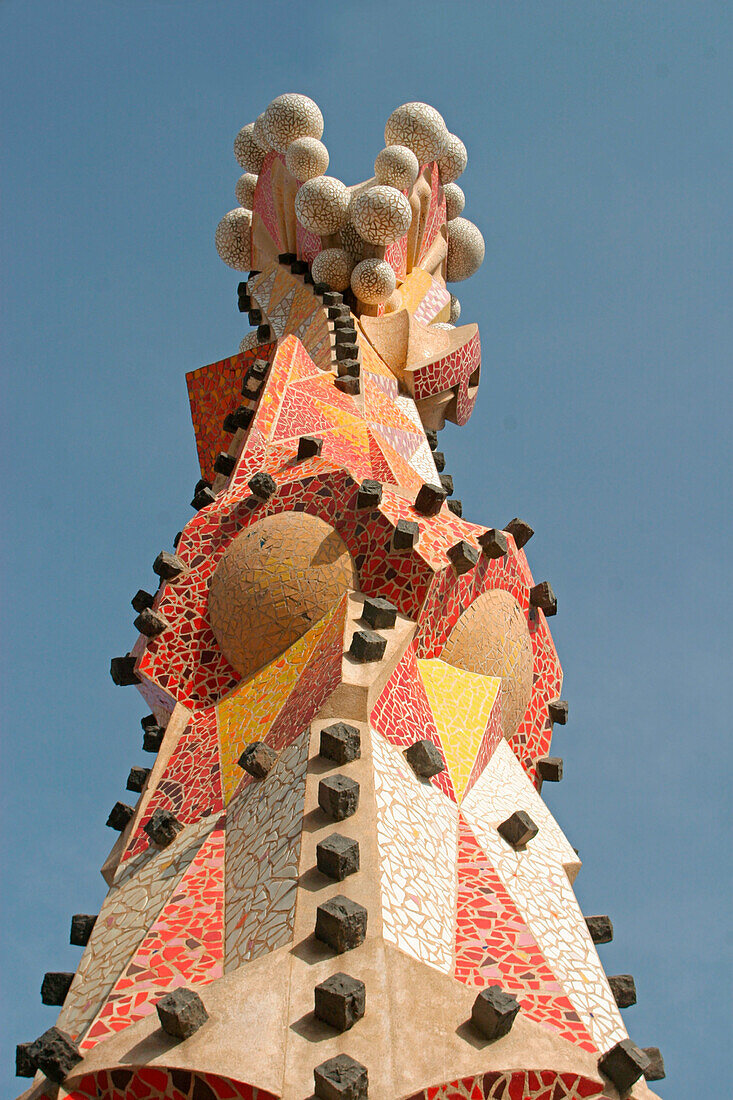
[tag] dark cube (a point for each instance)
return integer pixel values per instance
(119, 816)
(299, 267)
(254, 315)
(162, 827)
(338, 796)
(225, 463)
(309, 446)
(242, 417)
(259, 368)
(340, 1001)
(367, 645)
(543, 597)
(341, 1078)
(55, 1054)
(558, 711)
(150, 623)
(424, 758)
(447, 482)
(153, 738)
(203, 498)
(624, 1064)
(262, 486)
(333, 298)
(341, 923)
(349, 368)
(518, 829)
(348, 384)
(287, 258)
(181, 1013)
(369, 494)
(439, 460)
(600, 928)
(55, 986)
(136, 779)
(655, 1070)
(168, 566)
(623, 988)
(493, 543)
(81, 928)
(432, 438)
(462, 556)
(406, 534)
(258, 759)
(340, 742)
(141, 600)
(429, 499)
(494, 1011)
(520, 531)
(345, 334)
(380, 614)
(122, 671)
(25, 1060)
(549, 768)
(337, 856)
(455, 507)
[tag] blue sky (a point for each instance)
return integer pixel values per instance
(600, 174)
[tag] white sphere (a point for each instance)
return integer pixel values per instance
(397, 166)
(373, 281)
(250, 341)
(418, 126)
(248, 152)
(322, 204)
(444, 325)
(306, 158)
(258, 133)
(332, 266)
(452, 160)
(455, 309)
(465, 250)
(233, 239)
(244, 190)
(290, 117)
(381, 215)
(455, 200)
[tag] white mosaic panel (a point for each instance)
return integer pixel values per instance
(417, 832)
(538, 883)
(422, 460)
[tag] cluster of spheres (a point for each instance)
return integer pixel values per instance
(374, 216)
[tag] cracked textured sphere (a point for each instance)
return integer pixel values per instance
(465, 250)
(455, 200)
(373, 281)
(290, 117)
(306, 158)
(333, 266)
(322, 204)
(244, 190)
(381, 215)
(276, 580)
(455, 309)
(233, 239)
(492, 638)
(418, 126)
(452, 160)
(258, 133)
(250, 155)
(397, 166)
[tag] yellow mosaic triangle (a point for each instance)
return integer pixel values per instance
(461, 703)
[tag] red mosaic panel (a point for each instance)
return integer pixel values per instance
(184, 947)
(533, 737)
(545, 1084)
(264, 204)
(436, 211)
(453, 369)
(161, 1083)
(495, 946)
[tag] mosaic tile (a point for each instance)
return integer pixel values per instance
(161, 1083)
(516, 1085)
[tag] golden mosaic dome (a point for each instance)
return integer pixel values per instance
(492, 638)
(276, 580)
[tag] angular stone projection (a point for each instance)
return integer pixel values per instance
(349, 691)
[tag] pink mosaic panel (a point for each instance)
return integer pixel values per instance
(161, 1083)
(436, 211)
(454, 369)
(264, 204)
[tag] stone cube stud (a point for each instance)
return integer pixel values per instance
(258, 759)
(380, 614)
(600, 928)
(341, 1078)
(162, 827)
(56, 985)
(493, 1012)
(429, 499)
(550, 768)
(624, 1064)
(406, 534)
(340, 742)
(340, 1001)
(81, 928)
(338, 796)
(341, 923)
(337, 856)
(369, 493)
(367, 646)
(424, 758)
(558, 711)
(462, 556)
(542, 596)
(493, 543)
(181, 1013)
(623, 988)
(518, 829)
(55, 1053)
(521, 531)
(655, 1071)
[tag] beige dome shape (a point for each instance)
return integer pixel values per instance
(381, 214)
(306, 158)
(455, 200)
(396, 166)
(322, 204)
(419, 127)
(258, 133)
(290, 117)
(275, 581)
(333, 266)
(452, 160)
(248, 152)
(233, 239)
(373, 281)
(244, 190)
(466, 250)
(492, 638)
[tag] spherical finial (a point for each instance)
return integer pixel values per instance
(418, 126)
(290, 117)
(397, 166)
(244, 190)
(258, 133)
(250, 155)
(455, 309)
(233, 239)
(322, 204)
(452, 160)
(455, 200)
(465, 250)
(306, 158)
(373, 281)
(332, 266)
(381, 215)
